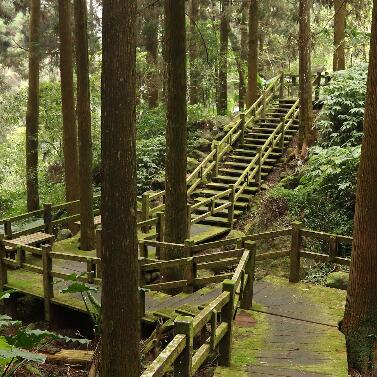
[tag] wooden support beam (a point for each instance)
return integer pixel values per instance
(296, 243)
(248, 291)
(227, 317)
(3, 266)
(48, 283)
(183, 363)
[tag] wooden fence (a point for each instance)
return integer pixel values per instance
(217, 317)
(208, 168)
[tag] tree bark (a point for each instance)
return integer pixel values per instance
(87, 240)
(222, 101)
(176, 129)
(360, 318)
(32, 114)
(150, 32)
(340, 9)
(242, 89)
(240, 69)
(252, 87)
(306, 96)
(194, 90)
(120, 292)
(70, 149)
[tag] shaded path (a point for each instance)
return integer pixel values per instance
(295, 334)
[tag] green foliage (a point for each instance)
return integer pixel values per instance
(341, 122)
(323, 195)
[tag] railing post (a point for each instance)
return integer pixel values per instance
(282, 133)
(183, 363)
(294, 84)
(296, 243)
(8, 230)
(231, 207)
(190, 269)
(281, 89)
(227, 317)
(142, 302)
(327, 78)
(213, 329)
(99, 252)
(145, 209)
(47, 217)
(90, 271)
(217, 159)
(159, 232)
(3, 266)
(317, 86)
(143, 249)
(258, 177)
(247, 299)
(263, 113)
(189, 212)
(20, 257)
(333, 249)
(243, 125)
(48, 283)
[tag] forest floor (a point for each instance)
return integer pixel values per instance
(291, 331)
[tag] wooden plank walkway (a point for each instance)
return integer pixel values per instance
(295, 333)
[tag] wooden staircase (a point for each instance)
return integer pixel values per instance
(236, 161)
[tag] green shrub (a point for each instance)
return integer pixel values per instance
(341, 121)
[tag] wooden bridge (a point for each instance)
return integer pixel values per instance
(218, 275)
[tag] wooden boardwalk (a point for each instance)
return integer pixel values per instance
(295, 332)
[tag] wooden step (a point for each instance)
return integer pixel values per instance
(223, 186)
(207, 193)
(237, 173)
(223, 213)
(239, 205)
(215, 220)
(241, 166)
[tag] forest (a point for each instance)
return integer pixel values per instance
(187, 188)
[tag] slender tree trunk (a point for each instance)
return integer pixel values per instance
(71, 165)
(32, 114)
(244, 50)
(306, 97)
(340, 9)
(241, 74)
(222, 101)
(150, 32)
(120, 269)
(176, 132)
(84, 127)
(193, 54)
(360, 317)
(252, 87)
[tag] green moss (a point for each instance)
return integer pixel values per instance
(247, 341)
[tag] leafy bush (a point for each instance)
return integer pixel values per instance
(341, 120)
(323, 196)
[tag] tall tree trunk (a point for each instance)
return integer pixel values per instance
(120, 269)
(360, 317)
(242, 90)
(193, 54)
(84, 127)
(150, 32)
(32, 114)
(306, 96)
(252, 87)
(176, 129)
(71, 165)
(241, 74)
(222, 101)
(340, 9)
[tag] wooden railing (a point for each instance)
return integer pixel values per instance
(52, 217)
(237, 287)
(208, 168)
